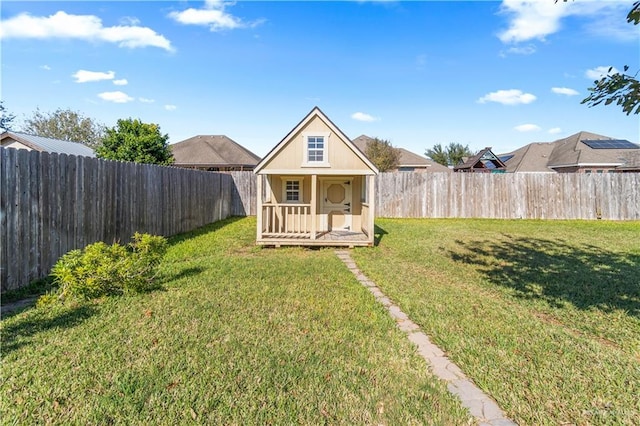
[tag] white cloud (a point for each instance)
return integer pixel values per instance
(564, 91)
(536, 19)
(555, 130)
(531, 19)
(82, 27)
(361, 116)
(170, 107)
(129, 20)
(84, 76)
(212, 15)
(121, 82)
(529, 49)
(598, 72)
(508, 97)
(116, 97)
(146, 100)
(527, 128)
(45, 67)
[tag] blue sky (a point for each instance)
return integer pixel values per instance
(482, 73)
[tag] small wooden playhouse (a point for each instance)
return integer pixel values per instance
(315, 188)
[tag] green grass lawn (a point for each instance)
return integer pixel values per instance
(238, 335)
(542, 315)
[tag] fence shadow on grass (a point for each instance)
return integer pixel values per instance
(212, 227)
(21, 331)
(555, 271)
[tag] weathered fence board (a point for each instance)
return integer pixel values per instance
(611, 196)
(51, 203)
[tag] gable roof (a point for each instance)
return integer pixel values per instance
(42, 144)
(212, 151)
(315, 113)
(483, 160)
(407, 158)
(572, 151)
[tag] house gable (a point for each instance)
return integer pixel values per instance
(484, 161)
(42, 144)
(338, 154)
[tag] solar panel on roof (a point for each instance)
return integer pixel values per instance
(610, 144)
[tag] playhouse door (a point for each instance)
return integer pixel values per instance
(336, 204)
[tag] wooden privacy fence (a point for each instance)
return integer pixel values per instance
(613, 196)
(50, 204)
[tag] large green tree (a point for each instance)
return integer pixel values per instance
(451, 155)
(382, 154)
(65, 124)
(6, 118)
(133, 140)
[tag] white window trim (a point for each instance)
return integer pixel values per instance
(300, 180)
(305, 151)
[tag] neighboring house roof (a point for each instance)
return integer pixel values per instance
(576, 151)
(632, 162)
(485, 160)
(42, 144)
(530, 158)
(212, 151)
(407, 158)
(316, 113)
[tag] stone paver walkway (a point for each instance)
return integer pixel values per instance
(480, 405)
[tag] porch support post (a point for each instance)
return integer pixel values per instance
(259, 206)
(372, 206)
(314, 205)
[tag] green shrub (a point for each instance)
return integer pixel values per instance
(104, 270)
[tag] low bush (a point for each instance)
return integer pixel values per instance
(103, 270)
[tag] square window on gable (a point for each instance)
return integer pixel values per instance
(316, 151)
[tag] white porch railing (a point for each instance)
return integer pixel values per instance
(286, 219)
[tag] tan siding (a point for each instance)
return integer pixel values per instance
(291, 156)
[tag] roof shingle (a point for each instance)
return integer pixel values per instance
(212, 151)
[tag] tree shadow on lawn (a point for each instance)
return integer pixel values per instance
(554, 271)
(178, 275)
(21, 332)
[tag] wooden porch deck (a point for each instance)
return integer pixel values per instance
(330, 239)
